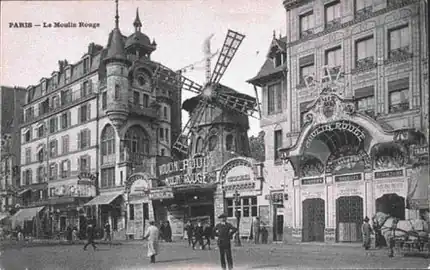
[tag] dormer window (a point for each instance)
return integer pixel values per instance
(43, 85)
(279, 58)
(68, 74)
(86, 64)
(54, 80)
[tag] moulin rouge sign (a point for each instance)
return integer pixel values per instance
(183, 172)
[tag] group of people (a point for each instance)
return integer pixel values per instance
(165, 231)
(223, 231)
(92, 234)
(201, 234)
(367, 230)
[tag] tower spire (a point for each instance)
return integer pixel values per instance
(137, 23)
(116, 15)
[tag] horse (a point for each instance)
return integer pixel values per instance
(392, 228)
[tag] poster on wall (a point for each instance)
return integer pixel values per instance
(264, 214)
(176, 223)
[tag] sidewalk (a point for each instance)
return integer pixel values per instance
(50, 242)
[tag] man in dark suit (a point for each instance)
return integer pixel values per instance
(224, 231)
(189, 229)
(90, 236)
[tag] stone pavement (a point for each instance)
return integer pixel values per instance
(132, 255)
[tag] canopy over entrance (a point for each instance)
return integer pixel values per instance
(337, 139)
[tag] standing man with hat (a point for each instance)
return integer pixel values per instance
(224, 231)
(366, 229)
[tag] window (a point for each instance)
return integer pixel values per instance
(398, 95)
(117, 92)
(28, 177)
(108, 144)
(55, 102)
(51, 192)
(68, 75)
(136, 98)
(41, 155)
(365, 100)
(86, 65)
(274, 98)
(333, 57)
(307, 68)
(108, 177)
(41, 131)
(28, 155)
(165, 112)
(65, 144)
(84, 164)
(332, 13)
(104, 100)
(66, 97)
(53, 148)
(53, 124)
(364, 52)
(230, 207)
(279, 58)
(41, 174)
(199, 145)
(161, 131)
(229, 143)
(136, 140)
(27, 135)
(65, 168)
(121, 178)
(84, 113)
(131, 210)
(278, 143)
(166, 135)
(363, 6)
(213, 141)
(65, 120)
(84, 139)
(163, 152)
(53, 171)
(145, 100)
(29, 113)
(306, 24)
(399, 41)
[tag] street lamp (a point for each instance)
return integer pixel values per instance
(237, 242)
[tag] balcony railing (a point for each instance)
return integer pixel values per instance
(399, 53)
(365, 62)
(108, 159)
(306, 33)
(364, 12)
(64, 101)
(333, 23)
(397, 3)
(400, 107)
(139, 109)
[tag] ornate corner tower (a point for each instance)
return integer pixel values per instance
(116, 76)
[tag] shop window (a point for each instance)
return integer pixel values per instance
(230, 208)
(131, 210)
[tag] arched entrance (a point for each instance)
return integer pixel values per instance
(313, 220)
(391, 204)
(349, 215)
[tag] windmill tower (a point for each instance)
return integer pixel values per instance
(218, 123)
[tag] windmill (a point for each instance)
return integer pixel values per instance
(212, 95)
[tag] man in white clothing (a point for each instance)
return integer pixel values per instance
(151, 235)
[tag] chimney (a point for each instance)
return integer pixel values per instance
(60, 66)
(91, 48)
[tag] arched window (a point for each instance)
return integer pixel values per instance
(136, 140)
(229, 143)
(213, 141)
(117, 92)
(108, 141)
(199, 145)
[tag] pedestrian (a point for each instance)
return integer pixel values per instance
(224, 231)
(168, 232)
(366, 230)
(162, 229)
(256, 228)
(207, 234)
(75, 234)
(90, 237)
(108, 233)
(152, 234)
(189, 230)
(198, 234)
(69, 233)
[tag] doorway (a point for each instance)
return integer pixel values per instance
(313, 220)
(349, 216)
(391, 204)
(279, 228)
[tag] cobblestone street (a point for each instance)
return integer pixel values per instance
(132, 255)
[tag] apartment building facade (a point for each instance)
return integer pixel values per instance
(345, 113)
(88, 127)
(11, 100)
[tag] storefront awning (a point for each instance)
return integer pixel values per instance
(104, 199)
(23, 191)
(26, 214)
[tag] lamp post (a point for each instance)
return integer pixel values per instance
(237, 242)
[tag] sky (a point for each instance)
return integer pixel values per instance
(179, 28)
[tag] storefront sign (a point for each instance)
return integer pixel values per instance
(187, 179)
(346, 178)
(277, 198)
(388, 174)
(420, 150)
(75, 190)
(183, 165)
(351, 191)
(312, 194)
(340, 125)
(313, 181)
(161, 194)
(386, 188)
(140, 186)
(87, 176)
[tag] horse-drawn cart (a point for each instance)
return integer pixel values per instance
(412, 243)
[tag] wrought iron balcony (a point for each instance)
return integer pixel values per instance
(399, 53)
(332, 23)
(364, 64)
(397, 3)
(306, 33)
(364, 12)
(400, 107)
